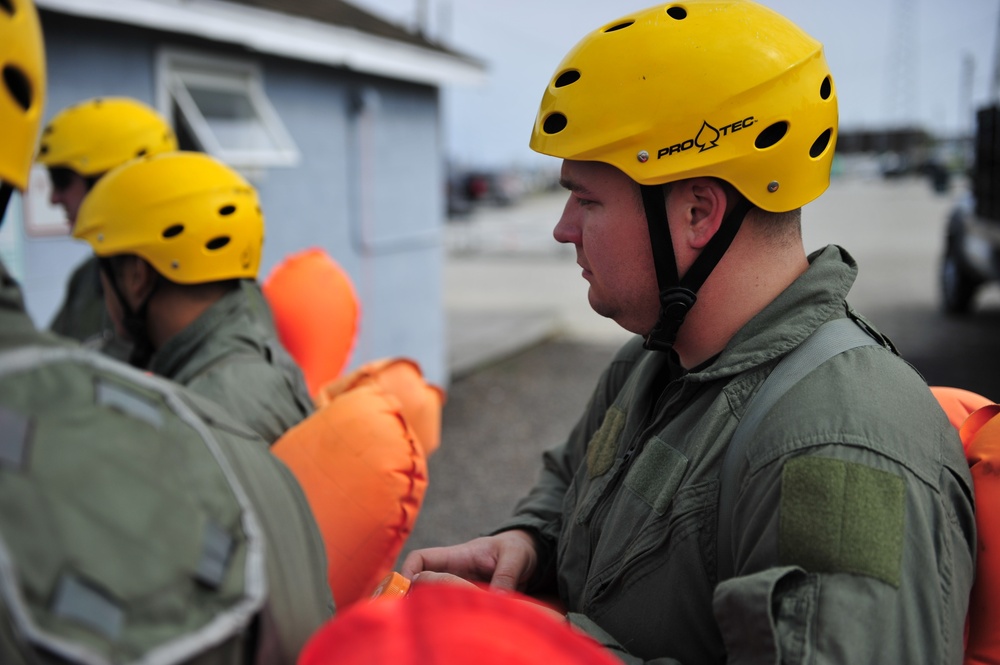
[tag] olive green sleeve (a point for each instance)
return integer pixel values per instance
(848, 556)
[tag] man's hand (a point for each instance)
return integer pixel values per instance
(506, 561)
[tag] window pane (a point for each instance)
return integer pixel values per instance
(232, 118)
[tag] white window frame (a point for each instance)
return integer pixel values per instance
(177, 69)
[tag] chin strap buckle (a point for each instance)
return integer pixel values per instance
(675, 303)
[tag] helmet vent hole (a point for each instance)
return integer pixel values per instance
(141, 153)
(677, 13)
(566, 78)
(826, 88)
(227, 210)
(43, 150)
(217, 243)
(820, 144)
(554, 124)
(18, 86)
(771, 135)
(7, 6)
(173, 231)
(620, 26)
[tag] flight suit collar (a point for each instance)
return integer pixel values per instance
(818, 295)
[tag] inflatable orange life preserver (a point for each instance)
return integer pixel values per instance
(364, 474)
(958, 403)
(421, 401)
(981, 437)
(316, 313)
(978, 426)
(441, 624)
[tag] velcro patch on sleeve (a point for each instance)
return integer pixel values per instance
(603, 445)
(842, 517)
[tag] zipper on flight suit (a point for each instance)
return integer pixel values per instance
(666, 406)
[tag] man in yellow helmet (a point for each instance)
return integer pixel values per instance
(138, 522)
(758, 476)
(174, 235)
(78, 146)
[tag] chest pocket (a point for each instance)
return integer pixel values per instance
(650, 508)
(656, 475)
(636, 510)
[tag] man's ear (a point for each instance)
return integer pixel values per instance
(137, 280)
(702, 206)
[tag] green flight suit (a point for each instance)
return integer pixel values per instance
(853, 529)
(82, 314)
(227, 356)
(297, 600)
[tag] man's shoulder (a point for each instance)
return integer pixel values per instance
(866, 400)
(82, 374)
(125, 459)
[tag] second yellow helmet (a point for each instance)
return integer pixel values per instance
(193, 218)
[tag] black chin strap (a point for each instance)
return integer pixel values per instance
(134, 322)
(678, 294)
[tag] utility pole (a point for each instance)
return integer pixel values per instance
(423, 18)
(995, 83)
(966, 110)
(901, 88)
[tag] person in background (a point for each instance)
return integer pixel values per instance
(841, 529)
(138, 522)
(174, 234)
(78, 146)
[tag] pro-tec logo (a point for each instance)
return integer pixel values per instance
(708, 137)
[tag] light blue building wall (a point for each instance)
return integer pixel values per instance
(367, 188)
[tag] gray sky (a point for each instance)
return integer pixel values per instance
(868, 43)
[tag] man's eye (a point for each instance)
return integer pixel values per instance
(583, 202)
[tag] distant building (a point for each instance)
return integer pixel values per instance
(877, 140)
(334, 114)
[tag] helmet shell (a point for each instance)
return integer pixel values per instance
(98, 134)
(190, 216)
(22, 88)
(728, 89)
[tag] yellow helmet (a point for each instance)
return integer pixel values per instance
(190, 216)
(721, 88)
(22, 89)
(96, 135)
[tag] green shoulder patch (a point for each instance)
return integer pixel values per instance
(603, 445)
(842, 517)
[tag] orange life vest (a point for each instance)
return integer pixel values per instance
(979, 429)
(315, 312)
(364, 474)
(420, 401)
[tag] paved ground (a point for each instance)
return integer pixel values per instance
(497, 422)
(526, 349)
